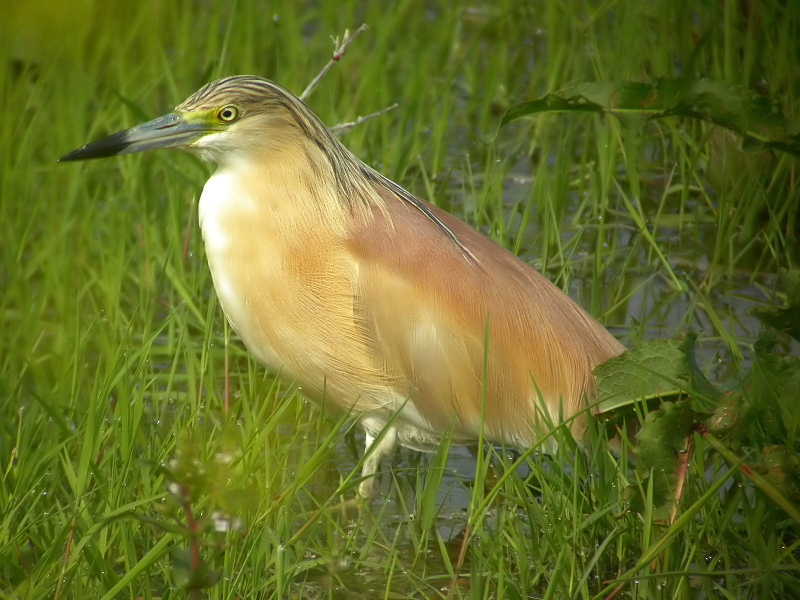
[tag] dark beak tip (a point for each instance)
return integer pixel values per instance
(167, 131)
(83, 153)
(69, 157)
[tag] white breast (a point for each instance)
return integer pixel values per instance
(222, 197)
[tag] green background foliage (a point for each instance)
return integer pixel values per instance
(135, 429)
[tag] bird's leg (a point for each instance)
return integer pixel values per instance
(373, 455)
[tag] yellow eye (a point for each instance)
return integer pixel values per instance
(228, 113)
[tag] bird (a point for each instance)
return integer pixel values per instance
(365, 295)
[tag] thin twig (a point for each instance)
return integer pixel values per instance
(338, 53)
(462, 555)
(616, 591)
(340, 48)
(194, 528)
(67, 555)
(343, 128)
(462, 551)
(684, 459)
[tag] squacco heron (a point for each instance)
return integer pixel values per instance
(342, 280)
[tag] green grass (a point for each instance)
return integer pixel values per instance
(115, 354)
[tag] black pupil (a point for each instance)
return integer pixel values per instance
(227, 113)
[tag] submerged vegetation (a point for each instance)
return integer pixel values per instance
(145, 454)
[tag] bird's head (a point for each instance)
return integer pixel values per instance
(245, 116)
(238, 114)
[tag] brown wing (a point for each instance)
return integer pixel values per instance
(431, 313)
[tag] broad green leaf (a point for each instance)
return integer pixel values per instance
(657, 369)
(652, 370)
(756, 118)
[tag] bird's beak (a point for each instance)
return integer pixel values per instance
(167, 131)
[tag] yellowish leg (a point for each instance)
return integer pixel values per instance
(375, 451)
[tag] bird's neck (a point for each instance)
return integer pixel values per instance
(294, 185)
(292, 188)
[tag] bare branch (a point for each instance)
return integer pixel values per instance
(340, 48)
(343, 128)
(339, 51)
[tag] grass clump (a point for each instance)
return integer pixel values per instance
(143, 453)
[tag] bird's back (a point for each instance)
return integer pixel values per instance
(469, 337)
